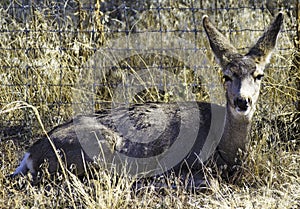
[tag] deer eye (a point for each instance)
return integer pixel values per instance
(259, 77)
(226, 78)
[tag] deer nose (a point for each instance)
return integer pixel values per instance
(242, 103)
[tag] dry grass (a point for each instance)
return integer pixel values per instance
(41, 56)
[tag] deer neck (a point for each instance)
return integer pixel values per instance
(234, 138)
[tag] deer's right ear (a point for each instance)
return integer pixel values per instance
(223, 50)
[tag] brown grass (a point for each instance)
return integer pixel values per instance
(41, 60)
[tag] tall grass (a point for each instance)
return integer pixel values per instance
(42, 55)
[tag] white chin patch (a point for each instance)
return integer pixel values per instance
(242, 112)
(237, 112)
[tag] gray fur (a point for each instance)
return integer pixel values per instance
(242, 85)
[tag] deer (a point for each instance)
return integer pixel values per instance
(242, 76)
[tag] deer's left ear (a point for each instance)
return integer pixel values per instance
(262, 50)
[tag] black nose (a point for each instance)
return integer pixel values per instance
(242, 103)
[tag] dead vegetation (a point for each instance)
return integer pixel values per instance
(43, 49)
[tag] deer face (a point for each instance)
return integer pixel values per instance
(242, 79)
(242, 74)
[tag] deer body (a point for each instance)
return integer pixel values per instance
(242, 78)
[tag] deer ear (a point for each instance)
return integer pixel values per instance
(223, 50)
(262, 50)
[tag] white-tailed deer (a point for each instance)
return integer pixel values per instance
(242, 78)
